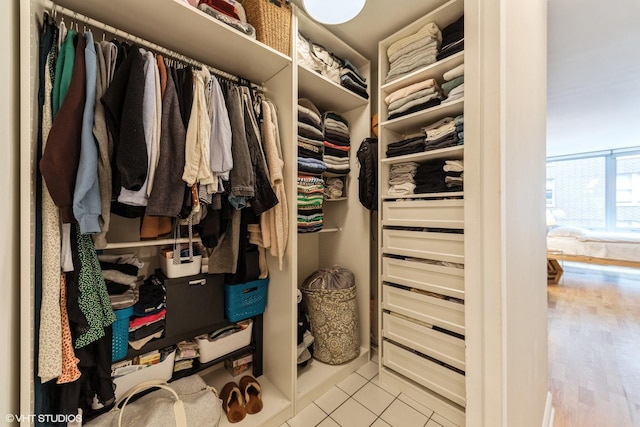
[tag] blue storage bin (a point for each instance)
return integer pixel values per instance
(120, 340)
(244, 300)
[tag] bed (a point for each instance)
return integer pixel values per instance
(570, 243)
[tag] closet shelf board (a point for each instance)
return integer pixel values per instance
(433, 71)
(339, 199)
(275, 403)
(442, 153)
(175, 25)
(149, 243)
(451, 194)
(413, 122)
(442, 16)
(320, 35)
(326, 94)
(317, 377)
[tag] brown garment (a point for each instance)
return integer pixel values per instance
(162, 70)
(59, 163)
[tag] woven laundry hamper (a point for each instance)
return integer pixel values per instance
(330, 294)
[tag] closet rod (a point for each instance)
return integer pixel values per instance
(78, 17)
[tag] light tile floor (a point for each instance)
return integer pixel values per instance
(360, 400)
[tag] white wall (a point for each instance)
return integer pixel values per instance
(505, 276)
(9, 214)
(524, 150)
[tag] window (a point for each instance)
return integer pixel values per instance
(596, 190)
(628, 192)
(550, 199)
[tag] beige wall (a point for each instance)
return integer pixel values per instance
(506, 311)
(9, 214)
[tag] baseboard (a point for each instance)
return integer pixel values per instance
(549, 412)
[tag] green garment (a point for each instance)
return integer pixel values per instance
(64, 68)
(94, 300)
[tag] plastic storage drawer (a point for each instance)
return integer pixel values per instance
(427, 245)
(193, 303)
(448, 213)
(427, 277)
(442, 380)
(425, 308)
(433, 343)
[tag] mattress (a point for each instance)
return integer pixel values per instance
(612, 246)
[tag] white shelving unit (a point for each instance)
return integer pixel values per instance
(174, 25)
(421, 285)
(348, 221)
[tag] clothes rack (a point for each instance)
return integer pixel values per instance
(105, 28)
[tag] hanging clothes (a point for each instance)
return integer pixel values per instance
(138, 197)
(86, 195)
(274, 222)
(197, 149)
(59, 163)
(168, 188)
(123, 107)
(106, 54)
(49, 336)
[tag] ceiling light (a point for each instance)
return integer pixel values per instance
(333, 11)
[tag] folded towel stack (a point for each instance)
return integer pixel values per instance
(414, 51)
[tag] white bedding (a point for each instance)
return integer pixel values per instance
(614, 246)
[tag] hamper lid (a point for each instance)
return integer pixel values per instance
(330, 278)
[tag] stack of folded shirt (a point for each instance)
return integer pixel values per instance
(120, 273)
(452, 39)
(310, 138)
(352, 79)
(334, 188)
(438, 176)
(310, 197)
(229, 12)
(415, 51)
(453, 88)
(441, 134)
(454, 174)
(337, 143)
(148, 320)
(401, 178)
(406, 146)
(416, 97)
(459, 122)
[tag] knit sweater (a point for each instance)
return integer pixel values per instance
(274, 222)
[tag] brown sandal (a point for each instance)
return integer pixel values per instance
(232, 402)
(252, 393)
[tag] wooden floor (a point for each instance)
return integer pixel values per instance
(594, 347)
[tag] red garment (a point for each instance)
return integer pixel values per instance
(337, 147)
(221, 6)
(136, 322)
